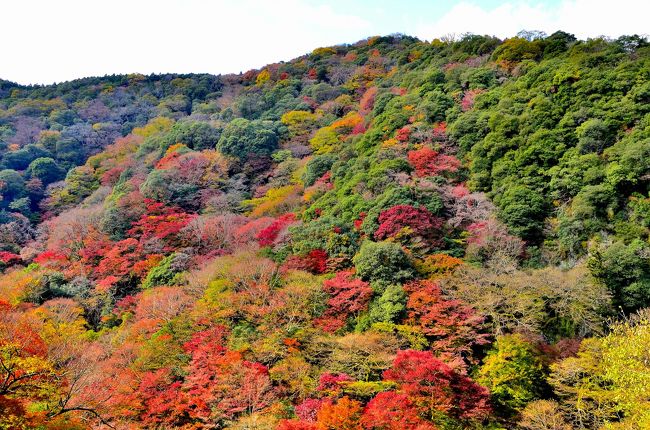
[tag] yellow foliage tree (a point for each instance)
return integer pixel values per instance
(157, 125)
(262, 77)
(20, 285)
(276, 201)
(299, 122)
(607, 385)
(324, 140)
(347, 123)
(323, 52)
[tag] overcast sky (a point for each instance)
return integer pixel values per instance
(45, 41)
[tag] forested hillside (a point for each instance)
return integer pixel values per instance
(389, 235)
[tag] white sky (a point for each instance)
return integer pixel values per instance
(45, 41)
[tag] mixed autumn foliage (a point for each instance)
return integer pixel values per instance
(393, 234)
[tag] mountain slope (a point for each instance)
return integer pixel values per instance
(389, 234)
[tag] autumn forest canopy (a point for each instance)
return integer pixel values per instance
(388, 235)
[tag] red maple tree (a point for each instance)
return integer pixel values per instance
(419, 220)
(219, 383)
(161, 222)
(393, 411)
(428, 162)
(348, 297)
(435, 386)
(268, 235)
